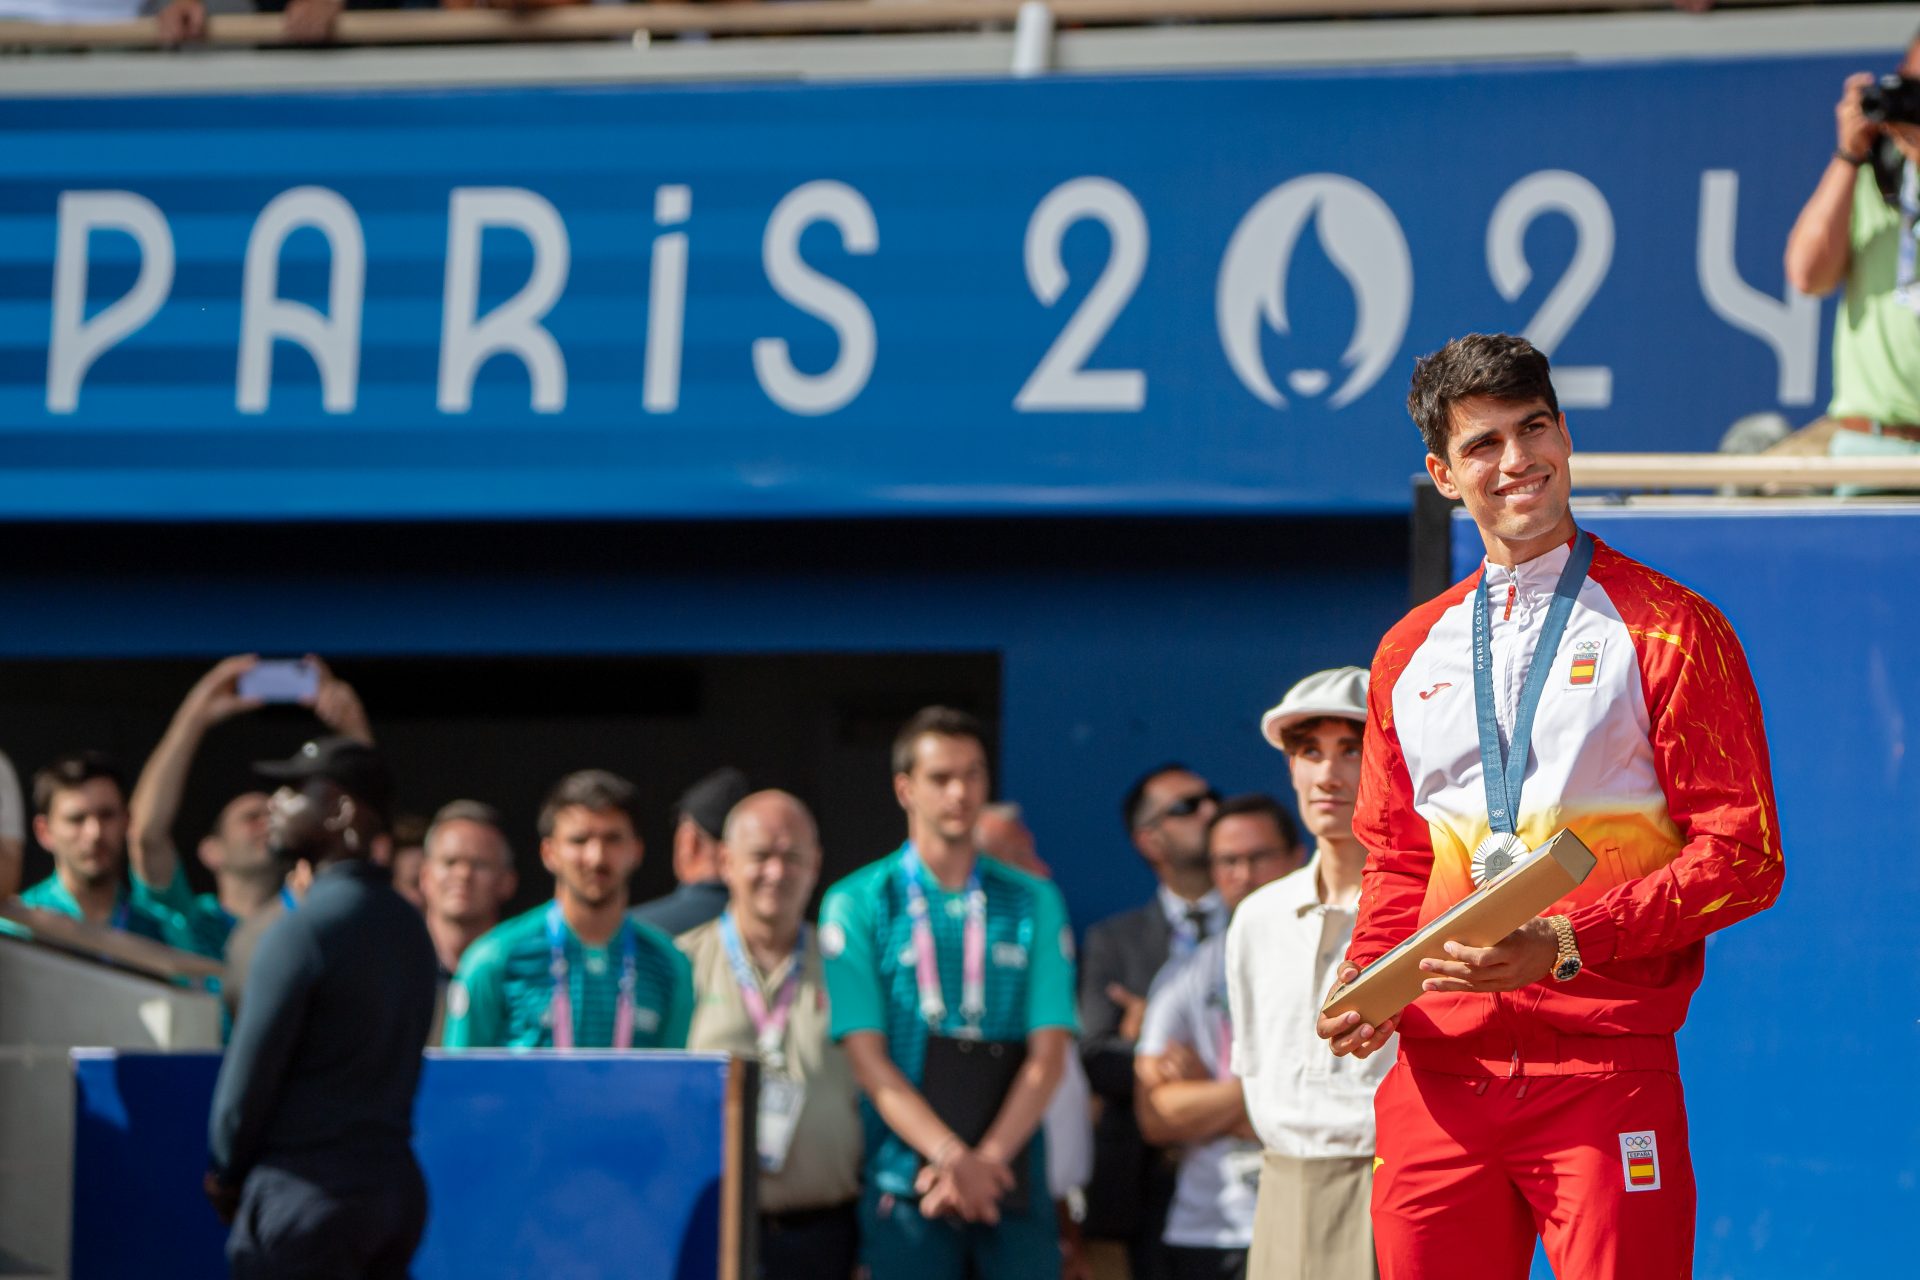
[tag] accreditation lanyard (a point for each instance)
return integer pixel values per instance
(562, 1003)
(122, 913)
(287, 900)
(1505, 771)
(973, 981)
(769, 1023)
(1222, 1027)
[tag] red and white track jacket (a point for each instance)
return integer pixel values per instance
(1647, 743)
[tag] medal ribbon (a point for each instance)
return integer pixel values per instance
(562, 1003)
(769, 1024)
(1504, 771)
(973, 950)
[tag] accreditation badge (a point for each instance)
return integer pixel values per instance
(1241, 1166)
(781, 1098)
(1495, 856)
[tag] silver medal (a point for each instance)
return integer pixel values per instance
(1495, 856)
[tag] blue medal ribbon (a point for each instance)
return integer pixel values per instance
(1504, 771)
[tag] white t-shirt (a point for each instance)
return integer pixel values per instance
(1069, 1129)
(1213, 1201)
(13, 809)
(1284, 950)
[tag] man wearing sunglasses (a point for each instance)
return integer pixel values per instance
(1166, 813)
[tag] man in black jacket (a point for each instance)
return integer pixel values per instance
(312, 1125)
(1166, 813)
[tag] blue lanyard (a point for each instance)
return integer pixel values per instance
(561, 1005)
(122, 912)
(973, 981)
(1504, 772)
(288, 901)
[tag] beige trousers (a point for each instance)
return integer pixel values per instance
(1313, 1222)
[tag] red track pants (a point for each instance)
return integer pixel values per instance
(1471, 1169)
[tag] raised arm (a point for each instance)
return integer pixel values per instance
(1820, 246)
(155, 803)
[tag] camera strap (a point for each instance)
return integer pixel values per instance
(1906, 281)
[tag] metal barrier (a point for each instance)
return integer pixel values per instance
(800, 17)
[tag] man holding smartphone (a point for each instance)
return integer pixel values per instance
(246, 876)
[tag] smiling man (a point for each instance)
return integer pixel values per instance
(1537, 1089)
(576, 973)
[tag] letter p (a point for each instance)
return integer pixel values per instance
(77, 342)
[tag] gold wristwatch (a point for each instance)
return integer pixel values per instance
(1567, 963)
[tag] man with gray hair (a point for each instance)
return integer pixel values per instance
(763, 991)
(467, 878)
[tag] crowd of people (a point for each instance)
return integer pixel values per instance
(947, 1088)
(1126, 1149)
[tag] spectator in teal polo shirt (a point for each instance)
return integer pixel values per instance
(577, 972)
(934, 947)
(80, 817)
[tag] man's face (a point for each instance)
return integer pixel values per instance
(944, 790)
(1175, 810)
(1507, 463)
(1324, 760)
(771, 864)
(240, 836)
(1247, 850)
(297, 820)
(592, 854)
(465, 875)
(1008, 840)
(85, 829)
(406, 864)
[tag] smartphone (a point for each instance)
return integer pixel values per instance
(280, 680)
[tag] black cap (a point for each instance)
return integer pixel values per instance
(710, 800)
(348, 763)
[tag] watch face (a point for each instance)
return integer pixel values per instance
(1566, 968)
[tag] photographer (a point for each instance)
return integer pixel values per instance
(1859, 228)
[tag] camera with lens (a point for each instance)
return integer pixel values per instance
(1891, 100)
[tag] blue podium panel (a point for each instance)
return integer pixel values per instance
(1798, 1054)
(566, 1167)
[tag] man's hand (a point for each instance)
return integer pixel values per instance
(968, 1185)
(1855, 133)
(216, 695)
(223, 1196)
(1133, 1010)
(1346, 1034)
(1521, 958)
(337, 705)
(1176, 1062)
(311, 21)
(181, 21)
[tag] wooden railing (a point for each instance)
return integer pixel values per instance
(1644, 472)
(793, 17)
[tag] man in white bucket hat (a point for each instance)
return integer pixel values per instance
(1313, 1112)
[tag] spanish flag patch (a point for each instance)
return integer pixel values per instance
(1640, 1158)
(1585, 664)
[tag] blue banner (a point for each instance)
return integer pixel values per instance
(1139, 294)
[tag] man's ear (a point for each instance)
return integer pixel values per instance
(902, 789)
(212, 853)
(509, 885)
(40, 830)
(1442, 475)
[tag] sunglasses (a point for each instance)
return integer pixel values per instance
(1185, 806)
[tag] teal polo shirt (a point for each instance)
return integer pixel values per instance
(866, 941)
(207, 923)
(502, 994)
(144, 919)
